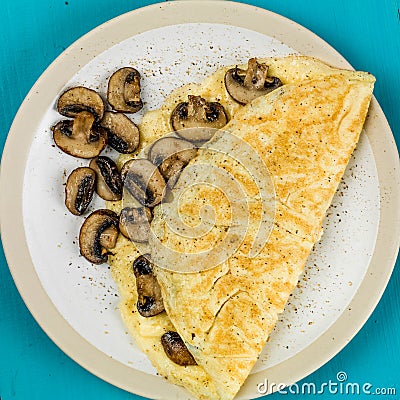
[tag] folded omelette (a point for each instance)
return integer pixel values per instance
(304, 132)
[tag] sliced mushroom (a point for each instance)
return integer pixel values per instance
(78, 99)
(171, 155)
(176, 350)
(124, 90)
(109, 182)
(197, 119)
(80, 137)
(134, 223)
(98, 235)
(123, 134)
(246, 85)
(143, 180)
(150, 300)
(79, 190)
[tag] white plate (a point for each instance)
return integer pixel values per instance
(334, 271)
(76, 302)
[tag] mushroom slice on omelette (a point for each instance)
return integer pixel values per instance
(304, 132)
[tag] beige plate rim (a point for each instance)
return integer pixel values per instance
(51, 82)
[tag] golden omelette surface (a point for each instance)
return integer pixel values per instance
(305, 132)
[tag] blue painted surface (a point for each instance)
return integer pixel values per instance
(33, 33)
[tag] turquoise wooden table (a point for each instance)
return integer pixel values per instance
(33, 33)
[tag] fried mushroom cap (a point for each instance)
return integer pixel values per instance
(123, 92)
(171, 155)
(80, 137)
(176, 350)
(109, 182)
(77, 99)
(150, 300)
(98, 235)
(197, 119)
(246, 85)
(134, 223)
(79, 190)
(123, 134)
(143, 181)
